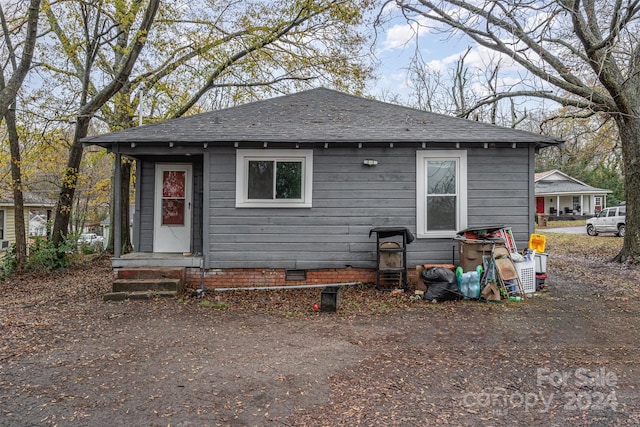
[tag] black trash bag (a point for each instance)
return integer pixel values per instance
(441, 284)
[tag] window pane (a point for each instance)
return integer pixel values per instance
(441, 213)
(441, 177)
(173, 212)
(1, 224)
(289, 180)
(260, 185)
(173, 184)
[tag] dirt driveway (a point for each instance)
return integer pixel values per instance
(566, 357)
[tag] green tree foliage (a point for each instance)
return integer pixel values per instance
(197, 56)
(99, 24)
(591, 152)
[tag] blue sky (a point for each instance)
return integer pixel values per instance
(399, 40)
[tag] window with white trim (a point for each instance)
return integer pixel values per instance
(274, 178)
(1, 224)
(441, 192)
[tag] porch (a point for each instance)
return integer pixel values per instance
(569, 217)
(156, 259)
(563, 207)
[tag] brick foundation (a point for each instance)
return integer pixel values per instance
(252, 277)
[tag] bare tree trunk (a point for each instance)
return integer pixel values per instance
(8, 92)
(87, 110)
(16, 185)
(125, 183)
(125, 231)
(112, 212)
(629, 128)
(69, 181)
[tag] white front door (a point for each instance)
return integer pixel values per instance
(172, 210)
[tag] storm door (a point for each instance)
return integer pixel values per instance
(172, 211)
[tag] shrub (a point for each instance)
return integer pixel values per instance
(88, 249)
(44, 255)
(8, 263)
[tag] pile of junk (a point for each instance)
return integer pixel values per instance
(490, 268)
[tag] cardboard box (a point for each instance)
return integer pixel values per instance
(491, 292)
(471, 252)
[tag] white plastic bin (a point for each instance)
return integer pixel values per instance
(527, 273)
(541, 262)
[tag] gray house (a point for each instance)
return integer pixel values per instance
(289, 187)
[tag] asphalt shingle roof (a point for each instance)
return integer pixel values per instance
(319, 115)
(552, 187)
(30, 199)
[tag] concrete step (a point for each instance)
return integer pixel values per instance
(152, 273)
(138, 295)
(143, 285)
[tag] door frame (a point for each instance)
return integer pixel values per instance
(173, 238)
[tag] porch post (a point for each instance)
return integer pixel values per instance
(117, 209)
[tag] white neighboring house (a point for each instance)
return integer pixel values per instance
(32, 203)
(560, 194)
(37, 225)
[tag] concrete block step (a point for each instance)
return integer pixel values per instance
(142, 285)
(152, 273)
(138, 295)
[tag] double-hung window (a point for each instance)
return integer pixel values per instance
(274, 178)
(441, 191)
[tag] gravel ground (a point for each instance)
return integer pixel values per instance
(567, 356)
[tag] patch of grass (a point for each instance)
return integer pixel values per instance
(602, 247)
(586, 259)
(382, 307)
(216, 305)
(565, 223)
(221, 306)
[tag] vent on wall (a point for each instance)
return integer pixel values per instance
(295, 275)
(4, 245)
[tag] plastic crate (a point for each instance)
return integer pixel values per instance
(541, 262)
(527, 272)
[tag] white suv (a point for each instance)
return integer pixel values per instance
(90, 239)
(609, 220)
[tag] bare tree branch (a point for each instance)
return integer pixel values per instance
(11, 87)
(588, 49)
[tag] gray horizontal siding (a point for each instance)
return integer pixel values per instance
(145, 201)
(348, 200)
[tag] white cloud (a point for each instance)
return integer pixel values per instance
(478, 58)
(399, 35)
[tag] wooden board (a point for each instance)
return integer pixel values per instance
(505, 269)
